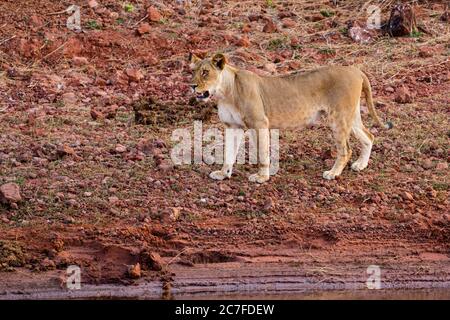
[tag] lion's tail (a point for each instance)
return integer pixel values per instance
(368, 93)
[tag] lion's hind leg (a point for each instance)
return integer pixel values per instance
(365, 138)
(341, 135)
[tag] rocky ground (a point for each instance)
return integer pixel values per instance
(83, 183)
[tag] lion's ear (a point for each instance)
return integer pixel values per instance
(219, 60)
(193, 59)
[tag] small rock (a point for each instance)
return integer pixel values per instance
(65, 150)
(315, 17)
(288, 23)
(92, 3)
(403, 95)
(243, 42)
(10, 193)
(72, 203)
(270, 67)
(268, 204)
(174, 214)
(95, 114)
(442, 166)
(114, 15)
(113, 200)
(153, 14)
(427, 164)
(270, 27)
(80, 61)
(426, 52)
(134, 271)
(87, 194)
(48, 264)
(69, 98)
(165, 166)
(407, 196)
(111, 111)
(246, 28)
(144, 28)
(135, 75)
(120, 148)
(254, 17)
(152, 260)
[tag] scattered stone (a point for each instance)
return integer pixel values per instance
(95, 114)
(47, 264)
(144, 28)
(120, 148)
(134, 271)
(152, 260)
(314, 18)
(268, 204)
(243, 41)
(270, 67)
(174, 214)
(254, 17)
(87, 194)
(165, 166)
(64, 150)
(69, 98)
(288, 23)
(113, 200)
(80, 61)
(426, 52)
(92, 4)
(10, 193)
(111, 111)
(72, 203)
(153, 14)
(246, 28)
(442, 166)
(294, 42)
(270, 27)
(403, 95)
(407, 196)
(135, 75)
(427, 164)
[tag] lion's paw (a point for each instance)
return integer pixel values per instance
(329, 175)
(358, 165)
(218, 175)
(258, 178)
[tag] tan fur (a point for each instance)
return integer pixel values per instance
(291, 101)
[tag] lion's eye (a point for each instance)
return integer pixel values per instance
(205, 73)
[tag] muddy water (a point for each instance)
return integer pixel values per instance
(407, 294)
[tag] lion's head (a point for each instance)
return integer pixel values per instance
(206, 75)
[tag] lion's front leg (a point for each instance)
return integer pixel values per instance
(263, 144)
(233, 139)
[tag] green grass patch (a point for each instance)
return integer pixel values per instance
(326, 13)
(128, 7)
(92, 24)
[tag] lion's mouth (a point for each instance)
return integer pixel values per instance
(203, 95)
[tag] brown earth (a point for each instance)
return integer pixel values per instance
(98, 189)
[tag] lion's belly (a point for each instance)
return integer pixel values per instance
(294, 120)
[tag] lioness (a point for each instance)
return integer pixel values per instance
(246, 99)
